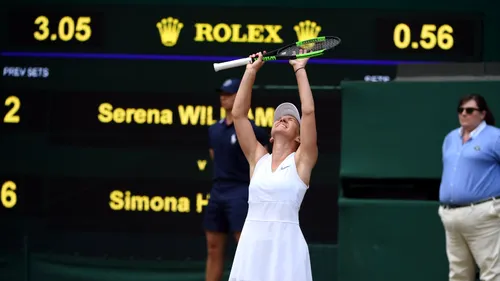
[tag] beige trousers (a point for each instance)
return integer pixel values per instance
(473, 237)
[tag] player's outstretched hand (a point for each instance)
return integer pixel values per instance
(299, 63)
(256, 65)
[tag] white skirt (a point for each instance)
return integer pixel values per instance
(271, 251)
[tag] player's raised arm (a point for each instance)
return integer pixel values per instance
(307, 153)
(252, 149)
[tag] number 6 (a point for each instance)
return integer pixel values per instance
(8, 196)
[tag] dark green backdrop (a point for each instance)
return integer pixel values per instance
(392, 136)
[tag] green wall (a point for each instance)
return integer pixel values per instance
(390, 240)
(391, 228)
(396, 130)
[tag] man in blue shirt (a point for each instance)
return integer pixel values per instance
(470, 193)
(228, 204)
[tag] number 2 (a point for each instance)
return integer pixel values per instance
(11, 116)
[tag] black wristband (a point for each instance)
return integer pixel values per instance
(299, 69)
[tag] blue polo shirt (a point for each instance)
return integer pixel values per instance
(230, 164)
(471, 171)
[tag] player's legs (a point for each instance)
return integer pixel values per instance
(216, 228)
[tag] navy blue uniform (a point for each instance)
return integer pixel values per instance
(228, 204)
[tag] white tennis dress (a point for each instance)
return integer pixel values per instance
(271, 245)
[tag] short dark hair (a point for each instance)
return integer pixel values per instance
(481, 104)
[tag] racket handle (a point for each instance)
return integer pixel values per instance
(231, 64)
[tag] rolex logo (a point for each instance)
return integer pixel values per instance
(169, 30)
(306, 30)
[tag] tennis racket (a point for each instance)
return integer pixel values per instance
(314, 47)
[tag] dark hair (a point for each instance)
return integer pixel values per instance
(481, 104)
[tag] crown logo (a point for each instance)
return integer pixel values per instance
(169, 29)
(306, 30)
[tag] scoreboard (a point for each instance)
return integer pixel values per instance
(374, 42)
(116, 161)
(104, 110)
(192, 33)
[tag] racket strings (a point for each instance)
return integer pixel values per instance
(310, 47)
(321, 45)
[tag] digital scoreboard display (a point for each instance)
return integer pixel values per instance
(133, 161)
(191, 32)
(374, 42)
(104, 110)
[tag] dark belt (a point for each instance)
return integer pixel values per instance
(454, 206)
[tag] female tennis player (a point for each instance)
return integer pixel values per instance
(271, 245)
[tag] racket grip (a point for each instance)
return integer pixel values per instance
(231, 64)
